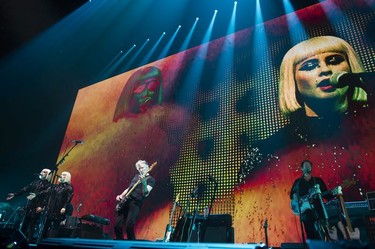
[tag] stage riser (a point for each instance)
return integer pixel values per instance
(105, 244)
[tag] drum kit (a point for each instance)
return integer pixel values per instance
(10, 217)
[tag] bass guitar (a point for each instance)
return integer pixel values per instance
(121, 204)
(169, 229)
(347, 231)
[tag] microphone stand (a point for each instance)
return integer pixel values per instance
(213, 197)
(300, 212)
(192, 224)
(75, 232)
(184, 218)
(51, 198)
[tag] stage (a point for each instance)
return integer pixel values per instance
(94, 243)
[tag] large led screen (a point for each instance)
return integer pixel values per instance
(215, 116)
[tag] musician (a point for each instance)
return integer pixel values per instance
(60, 195)
(131, 207)
(35, 204)
(302, 187)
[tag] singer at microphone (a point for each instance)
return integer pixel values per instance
(36, 193)
(305, 78)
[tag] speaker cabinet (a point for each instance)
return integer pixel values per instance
(215, 228)
(90, 231)
(219, 234)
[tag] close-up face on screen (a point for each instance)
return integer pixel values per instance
(230, 124)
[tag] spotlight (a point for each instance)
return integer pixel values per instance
(215, 11)
(163, 33)
(134, 45)
(121, 51)
(148, 39)
(179, 26)
(197, 18)
(235, 2)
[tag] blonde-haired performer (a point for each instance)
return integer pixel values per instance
(128, 208)
(318, 109)
(37, 199)
(305, 77)
(60, 195)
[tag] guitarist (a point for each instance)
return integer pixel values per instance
(302, 186)
(131, 205)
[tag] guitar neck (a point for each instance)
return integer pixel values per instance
(172, 213)
(347, 219)
(132, 189)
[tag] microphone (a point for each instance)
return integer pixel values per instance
(342, 79)
(79, 207)
(77, 141)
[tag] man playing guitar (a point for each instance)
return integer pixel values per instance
(130, 201)
(304, 186)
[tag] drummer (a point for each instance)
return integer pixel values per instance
(35, 204)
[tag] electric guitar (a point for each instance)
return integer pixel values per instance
(122, 202)
(347, 231)
(304, 201)
(169, 229)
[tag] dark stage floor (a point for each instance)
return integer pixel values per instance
(94, 243)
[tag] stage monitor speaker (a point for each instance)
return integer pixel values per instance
(219, 234)
(12, 238)
(90, 231)
(216, 229)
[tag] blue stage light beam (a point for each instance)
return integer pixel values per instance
(334, 13)
(152, 50)
(189, 36)
(169, 44)
(260, 42)
(189, 88)
(226, 58)
(114, 63)
(296, 31)
(130, 62)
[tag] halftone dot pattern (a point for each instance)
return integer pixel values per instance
(253, 118)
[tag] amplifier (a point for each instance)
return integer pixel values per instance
(90, 231)
(216, 228)
(358, 213)
(355, 208)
